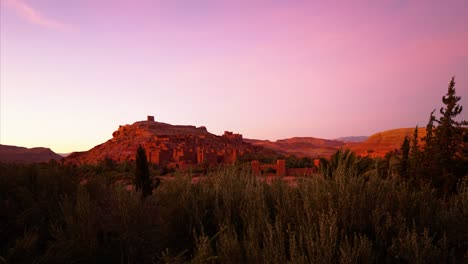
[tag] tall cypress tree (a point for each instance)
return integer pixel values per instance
(404, 162)
(415, 156)
(142, 175)
(414, 152)
(449, 132)
(444, 150)
(428, 166)
(429, 138)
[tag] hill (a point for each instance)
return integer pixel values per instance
(376, 145)
(14, 154)
(301, 146)
(177, 146)
(380, 143)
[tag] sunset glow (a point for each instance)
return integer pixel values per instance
(71, 72)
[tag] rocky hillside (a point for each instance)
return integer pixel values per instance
(380, 143)
(169, 145)
(376, 145)
(301, 146)
(26, 155)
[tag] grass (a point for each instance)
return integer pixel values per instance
(230, 217)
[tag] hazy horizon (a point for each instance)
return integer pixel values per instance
(71, 72)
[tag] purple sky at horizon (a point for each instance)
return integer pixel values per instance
(71, 72)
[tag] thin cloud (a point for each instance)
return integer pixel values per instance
(33, 15)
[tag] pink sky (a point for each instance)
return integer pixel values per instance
(73, 71)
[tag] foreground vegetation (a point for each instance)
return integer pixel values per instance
(409, 207)
(231, 217)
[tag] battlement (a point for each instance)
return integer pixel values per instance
(232, 136)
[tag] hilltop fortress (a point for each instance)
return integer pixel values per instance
(173, 146)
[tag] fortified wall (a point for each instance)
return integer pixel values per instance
(173, 146)
(186, 146)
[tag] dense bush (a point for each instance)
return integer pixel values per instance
(302, 162)
(228, 217)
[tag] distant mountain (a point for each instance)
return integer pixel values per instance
(301, 146)
(16, 154)
(352, 139)
(175, 146)
(376, 145)
(182, 146)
